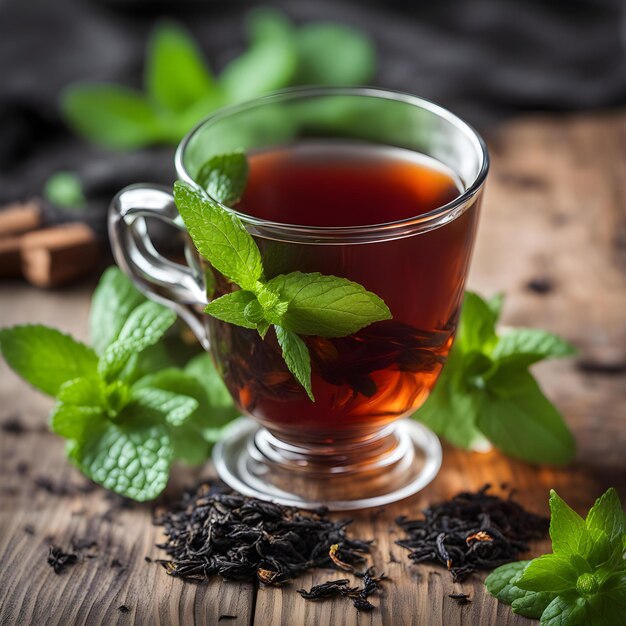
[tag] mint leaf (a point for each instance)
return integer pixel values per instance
(609, 608)
(495, 304)
(531, 345)
(501, 582)
(452, 414)
(191, 440)
(200, 381)
(176, 408)
(224, 177)
(73, 421)
(144, 327)
(189, 444)
(176, 75)
(111, 116)
(326, 306)
(477, 326)
(131, 458)
(45, 357)
(532, 604)
(297, 358)
(524, 423)
(452, 408)
(566, 610)
(64, 189)
(268, 64)
(332, 54)
(549, 572)
(202, 369)
(220, 237)
(566, 526)
(231, 308)
(86, 391)
(112, 302)
(598, 551)
(607, 515)
(583, 581)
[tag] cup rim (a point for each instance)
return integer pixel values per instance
(426, 221)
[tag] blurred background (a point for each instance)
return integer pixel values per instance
(70, 143)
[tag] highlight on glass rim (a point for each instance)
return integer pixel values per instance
(312, 313)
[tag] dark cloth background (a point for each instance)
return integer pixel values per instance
(484, 59)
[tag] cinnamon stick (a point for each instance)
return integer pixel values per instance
(60, 254)
(10, 257)
(19, 217)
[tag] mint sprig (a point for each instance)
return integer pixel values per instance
(125, 409)
(486, 391)
(583, 581)
(180, 89)
(295, 304)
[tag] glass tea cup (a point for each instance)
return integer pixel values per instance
(352, 447)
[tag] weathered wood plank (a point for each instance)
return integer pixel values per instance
(555, 210)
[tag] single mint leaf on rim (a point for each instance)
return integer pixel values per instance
(297, 357)
(220, 237)
(45, 357)
(326, 306)
(231, 308)
(224, 177)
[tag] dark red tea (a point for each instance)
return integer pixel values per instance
(387, 369)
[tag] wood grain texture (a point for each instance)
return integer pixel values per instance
(555, 210)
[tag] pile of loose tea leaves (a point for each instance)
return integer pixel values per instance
(214, 531)
(470, 532)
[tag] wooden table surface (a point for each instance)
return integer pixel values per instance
(555, 211)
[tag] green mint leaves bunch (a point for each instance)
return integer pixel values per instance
(295, 304)
(125, 410)
(180, 89)
(583, 581)
(487, 392)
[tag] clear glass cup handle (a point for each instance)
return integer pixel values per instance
(179, 287)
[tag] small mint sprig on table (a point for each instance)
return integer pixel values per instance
(583, 581)
(125, 409)
(295, 304)
(487, 392)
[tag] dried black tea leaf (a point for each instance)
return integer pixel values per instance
(59, 560)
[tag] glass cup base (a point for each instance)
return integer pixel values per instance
(399, 463)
